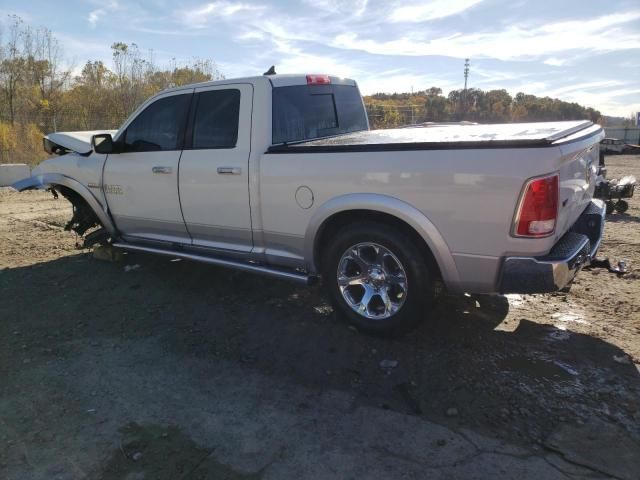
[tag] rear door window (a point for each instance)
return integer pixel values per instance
(215, 123)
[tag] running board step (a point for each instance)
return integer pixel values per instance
(222, 262)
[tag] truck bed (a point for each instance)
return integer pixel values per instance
(453, 136)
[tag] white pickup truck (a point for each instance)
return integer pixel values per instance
(280, 174)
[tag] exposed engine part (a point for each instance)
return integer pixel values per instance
(83, 218)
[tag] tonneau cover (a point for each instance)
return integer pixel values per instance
(450, 136)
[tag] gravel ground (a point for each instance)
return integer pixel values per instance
(179, 370)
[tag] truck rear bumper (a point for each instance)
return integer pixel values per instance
(558, 268)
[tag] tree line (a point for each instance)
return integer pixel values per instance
(40, 93)
(474, 105)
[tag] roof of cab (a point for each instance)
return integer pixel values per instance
(278, 80)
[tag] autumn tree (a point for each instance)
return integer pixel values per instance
(12, 68)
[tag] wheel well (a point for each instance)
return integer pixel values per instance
(340, 219)
(84, 217)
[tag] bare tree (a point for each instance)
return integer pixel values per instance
(12, 66)
(44, 57)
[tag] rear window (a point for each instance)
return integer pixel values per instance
(302, 112)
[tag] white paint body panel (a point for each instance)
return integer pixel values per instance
(145, 204)
(216, 206)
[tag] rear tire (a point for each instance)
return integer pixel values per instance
(378, 278)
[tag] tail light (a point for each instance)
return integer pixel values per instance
(538, 209)
(318, 80)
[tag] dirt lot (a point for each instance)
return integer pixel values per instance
(178, 370)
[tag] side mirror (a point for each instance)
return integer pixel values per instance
(102, 143)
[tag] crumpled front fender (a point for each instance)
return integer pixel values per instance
(46, 180)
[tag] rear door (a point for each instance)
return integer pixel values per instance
(214, 168)
(141, 182)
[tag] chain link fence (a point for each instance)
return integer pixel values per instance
(21, 140)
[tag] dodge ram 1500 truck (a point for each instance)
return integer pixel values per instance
(281, 175)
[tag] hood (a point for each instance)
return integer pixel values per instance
(79, 142)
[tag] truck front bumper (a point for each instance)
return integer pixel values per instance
(558, 268)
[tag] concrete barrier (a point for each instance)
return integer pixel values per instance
(12, 172)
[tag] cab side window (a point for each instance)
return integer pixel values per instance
(215, 124)
(159, 126)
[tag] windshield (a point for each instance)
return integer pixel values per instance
(303, 112)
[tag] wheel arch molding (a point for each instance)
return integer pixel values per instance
(389, 206)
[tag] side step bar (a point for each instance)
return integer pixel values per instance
(247, 267)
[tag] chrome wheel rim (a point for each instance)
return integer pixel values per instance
(372, 280)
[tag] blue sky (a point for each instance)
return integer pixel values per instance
(586, 51)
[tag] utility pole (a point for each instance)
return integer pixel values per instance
(466, 73)
(464, 92)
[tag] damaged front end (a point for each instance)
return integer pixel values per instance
(83, 219)
(90, 220)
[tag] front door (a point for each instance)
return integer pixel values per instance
(141, 182)
(214, 168)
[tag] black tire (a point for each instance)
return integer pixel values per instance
(610, 207)
(419, 296)
(621, 206)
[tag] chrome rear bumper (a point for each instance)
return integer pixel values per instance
(558, 268)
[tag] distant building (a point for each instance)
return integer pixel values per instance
(637, 119)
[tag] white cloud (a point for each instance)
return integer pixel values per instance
(309, 63)
(602, 85)
(536, 53)
(434, 9)
(596, 94)
(515, 42)
(555, 62)
(343, 7)
(105, 6)
(535, 88)
(394, 81)
(95, 15)
(198, 17)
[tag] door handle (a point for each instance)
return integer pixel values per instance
(229, 170)
(161, 169)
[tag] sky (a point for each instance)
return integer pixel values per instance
(586, 51)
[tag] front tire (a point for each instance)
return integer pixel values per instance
(378, 278)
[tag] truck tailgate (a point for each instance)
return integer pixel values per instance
(577, 167)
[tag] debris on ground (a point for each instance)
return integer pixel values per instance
(107, 253)
(387, 364)
(130, 268)
(622, 359)
(619, 269)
